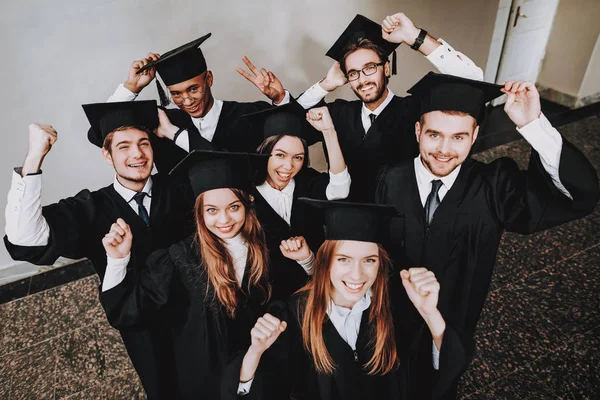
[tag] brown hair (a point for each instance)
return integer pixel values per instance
(108, 139)
(218, 263)
(266, 147)
(318, 294)
(365, 44)
(452, 113)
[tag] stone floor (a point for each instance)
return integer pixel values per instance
(538, 336)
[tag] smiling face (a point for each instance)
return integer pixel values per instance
(445, 140)
(370, 89)
(353, 271)
(131, 156)
(287, 159)
(223, 213)
(194, 96)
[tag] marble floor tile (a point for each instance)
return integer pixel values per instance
(573, 370)
(522, 255)
(509, 334)
(518, 385)
(566, 294)
(32, 372)
(89, 357)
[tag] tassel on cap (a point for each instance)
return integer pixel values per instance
(162, 95)
(394, 70)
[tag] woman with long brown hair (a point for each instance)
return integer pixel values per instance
(338, 338)
(287, 131)
(209, 289)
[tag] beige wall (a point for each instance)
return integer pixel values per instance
(58, 55)
(574, 35)
(591, 81)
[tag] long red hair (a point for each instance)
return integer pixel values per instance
(317, 297)
(218, 262)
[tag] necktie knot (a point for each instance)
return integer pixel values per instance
(436, 184)
(372, 118)
(433, 200)
(139, 198)
(142, 212)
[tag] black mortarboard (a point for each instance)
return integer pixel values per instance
(439, 92)
(360, 28)
(180, 64)
(106, 117)
(355, 221)
(289, 119)
(219, 169)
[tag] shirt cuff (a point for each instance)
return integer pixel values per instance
(312, 96)
(244, 387)
(183, 140)
(25, 224)
(285, 100)
(307, 264)
(339, 185)
(116, 269)
(449, 61)
(121, 94)
(435, 356)
(547, 142)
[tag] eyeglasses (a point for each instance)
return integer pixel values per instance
(195, 91)
(367, 70)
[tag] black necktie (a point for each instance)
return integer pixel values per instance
(139, 199)
(433, 200)
(372, 118)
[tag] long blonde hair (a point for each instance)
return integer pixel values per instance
(218, 262)
(317, 296)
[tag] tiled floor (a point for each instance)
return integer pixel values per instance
(538, 337)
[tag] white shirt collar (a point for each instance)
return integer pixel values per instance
(279, 200)
(238, 249)
(378, 110)
(335, 312)
(211, 118)
(424, 177)
(128, 194)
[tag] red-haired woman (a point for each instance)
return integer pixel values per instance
(288, 131)
(211, 288)
(339, 336)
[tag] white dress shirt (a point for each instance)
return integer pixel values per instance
(128, 194)
(444, 58)
(238, 250)
(539, 133)
(207, 125)
(279, 200)
(25, 224)
(365, 112)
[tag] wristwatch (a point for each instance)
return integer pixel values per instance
(419, 40)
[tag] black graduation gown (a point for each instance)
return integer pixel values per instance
(288, 275)
(390, 139)
(231, 134)
(461, 243)
(77, 226)
(287, 368)
(202, 334)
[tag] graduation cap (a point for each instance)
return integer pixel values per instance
(439, 92)
(289, 119)
(360, 28)
(355, 221)
(178, 65)
(209, 169)
(106, 117)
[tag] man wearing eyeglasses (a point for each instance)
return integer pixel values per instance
(200, 121)
(378, 129)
